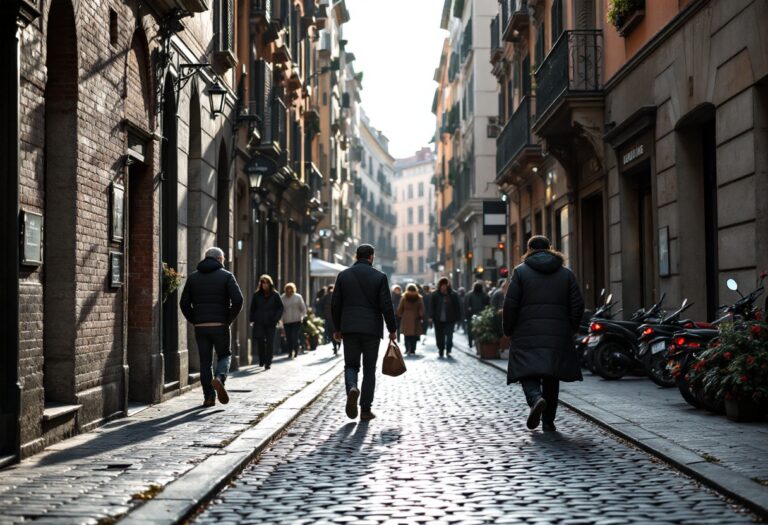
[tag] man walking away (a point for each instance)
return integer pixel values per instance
(211, 301)
(360, 300)
(542, 310)
(446, 311)
(474, 303)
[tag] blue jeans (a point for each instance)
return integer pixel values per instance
(546, 387)
(363, 346)
(210, 338)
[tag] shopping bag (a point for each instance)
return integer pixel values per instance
(393, 363)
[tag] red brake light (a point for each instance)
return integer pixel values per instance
(595, 327)
(680, 341)
(648, 331)
(688, 325)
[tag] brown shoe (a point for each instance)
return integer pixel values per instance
(221, 392)
(209, 402)
(367, 415)
(352, 397)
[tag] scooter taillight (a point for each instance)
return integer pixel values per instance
(596, 327)
(648, 331)
(682, 342)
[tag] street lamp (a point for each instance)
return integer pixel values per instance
(217, 95)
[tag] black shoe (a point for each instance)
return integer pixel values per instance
(261, 364)
(441, 353)
(548, 427)
(267, 367)
(221, 392)
(352, 397)
(534, 417)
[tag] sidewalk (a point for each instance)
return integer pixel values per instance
(102, 475)
(730, 457)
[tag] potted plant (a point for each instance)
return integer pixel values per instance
(734, 370)
(171, 281)
(624, 15)
(313, 327)
(487, 331)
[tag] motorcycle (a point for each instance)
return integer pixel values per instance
(615, 344)
(581, 339)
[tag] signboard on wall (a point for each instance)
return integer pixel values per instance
(494, 217)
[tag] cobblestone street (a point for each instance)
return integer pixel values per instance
(450, 445)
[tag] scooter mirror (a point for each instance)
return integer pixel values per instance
(609, 298)
(732, 285)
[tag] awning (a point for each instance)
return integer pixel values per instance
(321, 268)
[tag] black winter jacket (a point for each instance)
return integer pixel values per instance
(542, 310)
(361, 299)
(454, 311)
(266, 311)
(211, 294)
(474, 303)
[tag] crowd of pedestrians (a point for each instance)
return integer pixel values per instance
(541, 305)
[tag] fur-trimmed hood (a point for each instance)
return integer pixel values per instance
(544, 261)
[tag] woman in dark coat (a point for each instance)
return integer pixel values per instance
(542, 310)
(474, 303)
(266, 311)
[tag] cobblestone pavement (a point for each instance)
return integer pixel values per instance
(664, 413)
(450, 446)
(104, 473)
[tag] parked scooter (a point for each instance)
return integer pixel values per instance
(615, 344)
(580, 340)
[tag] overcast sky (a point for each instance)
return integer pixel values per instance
(397, 46)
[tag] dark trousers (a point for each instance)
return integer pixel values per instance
(410, 343)
(265, 345)
(292, 333)
(546, 387)
(444, 336)
(210, 338)
(470, 339)
(329, 335)
(357, 346)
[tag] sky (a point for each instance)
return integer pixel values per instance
(397, 46)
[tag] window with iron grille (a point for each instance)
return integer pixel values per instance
(223, 22)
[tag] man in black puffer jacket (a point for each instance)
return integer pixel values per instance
(211, 301)
(542, 310)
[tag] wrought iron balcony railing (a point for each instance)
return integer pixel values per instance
(574, 65)
(515, 136)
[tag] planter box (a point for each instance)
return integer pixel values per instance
(488, 350)
(742, 411)
(631, 21)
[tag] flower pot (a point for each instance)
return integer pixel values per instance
(629, 21)
(488, 350)
(743, 410)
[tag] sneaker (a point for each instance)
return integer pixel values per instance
(209, 402)
(352, 397)
(367, 415)
(221, 392)
(548, 427)
(534, 417)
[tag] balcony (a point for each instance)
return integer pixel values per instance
(447, 214)
(166, 7)
(261, 11)
(569, 79)
(497, 50)
(515, 19)
(515, 145)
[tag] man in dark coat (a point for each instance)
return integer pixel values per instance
(542, 310)
(446, 311)
(361, 299)
(474, 302)
(266, 311)
(211, 301)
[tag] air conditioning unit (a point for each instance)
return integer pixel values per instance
(493, 129)
(324, 41)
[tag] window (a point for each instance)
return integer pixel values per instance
(421, 215)
(410, 215)
(410, 264)
(421, 241)
(557, 20)
(526, 233)
(420, 268)
(562, 231)
(223, 21)
(410, 242)
(410, 191)
(421, 189)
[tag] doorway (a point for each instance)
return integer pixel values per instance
(593, 249)
(638, 241)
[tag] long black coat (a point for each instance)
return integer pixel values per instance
(453, 311)
(211, 294)
(474, 303)
(542, 310)
(266, 311)
(361, 301)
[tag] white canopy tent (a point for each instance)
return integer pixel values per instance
(321, 268)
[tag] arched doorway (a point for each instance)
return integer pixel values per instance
(60, 187)
(194, 210)
(169, 242)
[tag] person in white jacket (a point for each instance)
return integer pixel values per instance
(294, 311)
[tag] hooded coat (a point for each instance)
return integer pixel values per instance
(450, 301)
(542, 310)
(211, 294)
(266, 311)
(411, 311)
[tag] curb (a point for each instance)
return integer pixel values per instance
(733, 485)
(182, 497)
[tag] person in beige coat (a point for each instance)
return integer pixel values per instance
(410, 311)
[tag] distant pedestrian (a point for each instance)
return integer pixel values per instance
(411, 313)
(497, 297)
(211, 300)
(294, 310)
(361, 299)
(427, 297)
(266, 311)
(462, 295)
(327, 315)
(322, 292)
(446, 312)
(542, 311)
(474, 303)
(397, 294)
